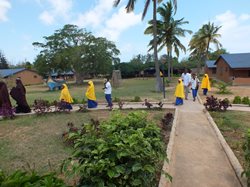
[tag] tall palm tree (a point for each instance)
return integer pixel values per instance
(199, 44)
(130, 7)
(169, 30)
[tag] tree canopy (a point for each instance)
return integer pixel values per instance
(72, 48)
(3, 61)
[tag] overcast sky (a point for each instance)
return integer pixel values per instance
(23, 22)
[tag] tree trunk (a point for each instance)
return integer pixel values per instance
(159, 86)
(79, 77)
(171, 63)
(169, 66)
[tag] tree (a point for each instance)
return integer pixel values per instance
(169, 30)
(130, 7)
(216, 54)
(71, 48)
(199, 44)
(3, 61)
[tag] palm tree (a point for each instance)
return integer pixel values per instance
(130, 7)
(169, 30)
(199, 44)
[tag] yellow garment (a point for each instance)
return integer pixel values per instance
(179, 91)
(205, 82)
(90, 93)
(161, 74)
(65, 95)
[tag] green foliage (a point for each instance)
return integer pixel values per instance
(237, 100)
(126, 150)
(28, 179)
(245, 100)
(223, 88)
(3, 61)
(136, 99)
(246, 149)
(116, 99)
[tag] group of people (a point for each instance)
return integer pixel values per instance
(190, 81)
(18, 93)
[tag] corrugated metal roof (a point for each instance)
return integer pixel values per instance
(237, 60)
(210, 63)
(8, 72)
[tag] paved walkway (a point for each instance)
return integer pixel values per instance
(198, 159)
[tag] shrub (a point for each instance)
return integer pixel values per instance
(223, 88)
(136, 99)
(23, 178)
(67, 139)
(237, 100)
(245, 100)
(116, 99)
(246, 149)
(126, 150)
(167, 120)
(41, 106)
(213, 104)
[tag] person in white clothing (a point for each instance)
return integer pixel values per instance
(107, 91)
(186, 78)
(194, 85)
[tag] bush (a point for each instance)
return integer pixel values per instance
(23, 178)
(213, 104)
(136, 99)
(41, 106)
(123, 151)
(237, 100)
(223, 89)
(245, 100)
(116, 99)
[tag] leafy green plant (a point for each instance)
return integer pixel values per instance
(246, 149)
(214, 104)
(237, 100)
(126, 150)
(223, 89)
(136, 99)
(245, 100)
(28, 179)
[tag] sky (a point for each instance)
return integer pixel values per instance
(23, 22)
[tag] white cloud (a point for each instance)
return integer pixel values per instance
(235, 31)
(96, 15)
(55, 9)
(118, 23)
(4, 6)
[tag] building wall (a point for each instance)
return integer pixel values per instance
(28, 77)
(241, 81)
(210, 71)
(223, 71)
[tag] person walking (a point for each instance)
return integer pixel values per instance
(90, 94)
(205, 84)
(108, 93)
(179, 93)
(194, 85)
(186, 78)
(66, 98)
(18, 93)
(5, 104)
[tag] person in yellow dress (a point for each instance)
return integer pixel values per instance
(205, 84)
(65, 97)
(179, 93)
(90, 94)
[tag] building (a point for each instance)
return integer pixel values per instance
(234, 68)
(210, 68)
(27, 76)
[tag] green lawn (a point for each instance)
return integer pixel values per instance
(37, 140)
(233, 125)
(144, 88)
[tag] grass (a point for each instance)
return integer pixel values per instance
(233, 125)
(37, 140)
(144, 88)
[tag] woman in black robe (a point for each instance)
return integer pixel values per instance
(18, 94)
(5, 104)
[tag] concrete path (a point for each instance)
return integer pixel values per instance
(198, 159)
(243, 108)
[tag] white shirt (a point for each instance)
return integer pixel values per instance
(194, 82)
(186, 78)
(108, 88)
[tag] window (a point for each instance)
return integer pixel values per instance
(248, 73)
(214, 71)
(226, 69)
(35, 76)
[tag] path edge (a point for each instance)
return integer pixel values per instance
(229, 153)
(163, 180)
